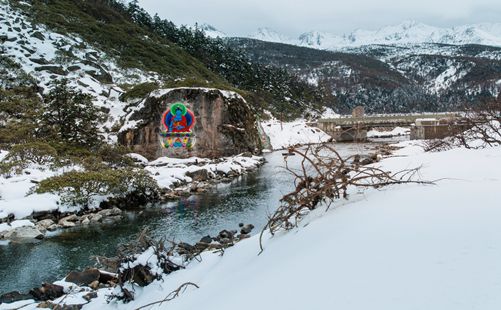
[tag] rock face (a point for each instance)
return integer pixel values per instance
(225, 124)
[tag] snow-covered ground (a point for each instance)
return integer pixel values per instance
(404, 247)
(285, 134)
(395, 132)
(169, 172)
(14, 192)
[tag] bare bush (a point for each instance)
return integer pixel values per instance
(484, 129)
(325, 176)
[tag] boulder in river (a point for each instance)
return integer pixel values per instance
(68, 221)
(44, 224)
(198, 175)
(24, 233)
(224, 124)
(206, 239)
(110, 212)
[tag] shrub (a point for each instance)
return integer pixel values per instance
(8, 168)
(114, 155)
(81, 188)
(139, 91)
(17, 132)
(36, 152)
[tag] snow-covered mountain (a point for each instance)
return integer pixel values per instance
(212, 31)
(409, 32)
(270, 35)
(390, 78)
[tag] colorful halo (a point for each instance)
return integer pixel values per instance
(177, 105)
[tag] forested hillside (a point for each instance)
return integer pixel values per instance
(387, 78)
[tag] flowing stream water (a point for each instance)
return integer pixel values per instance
(247, 199)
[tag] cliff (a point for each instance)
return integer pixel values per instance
(225, 125)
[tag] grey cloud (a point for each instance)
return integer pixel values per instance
(294, 17)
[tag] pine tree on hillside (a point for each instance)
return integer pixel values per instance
(70, 116)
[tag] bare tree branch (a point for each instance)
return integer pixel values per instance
(324, 176)
(171, 295)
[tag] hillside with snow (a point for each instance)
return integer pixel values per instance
(390, 78)
(409, 67)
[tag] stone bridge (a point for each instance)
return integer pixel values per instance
(355, 128)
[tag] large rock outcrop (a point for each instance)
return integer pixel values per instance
(225, 124)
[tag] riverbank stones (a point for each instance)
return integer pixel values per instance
(24, 233)
(43, 225)
(47, 292)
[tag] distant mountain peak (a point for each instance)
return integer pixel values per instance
(212, 31)
(406, 32)
(312, 38)
(270, 35)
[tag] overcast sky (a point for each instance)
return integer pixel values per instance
(293, 17)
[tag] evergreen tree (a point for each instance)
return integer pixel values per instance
(69, 115)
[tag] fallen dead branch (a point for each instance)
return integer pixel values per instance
(324, 176)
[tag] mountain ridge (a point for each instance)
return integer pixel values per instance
(388, 79)
(407, 32)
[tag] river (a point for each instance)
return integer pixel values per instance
(247, 199)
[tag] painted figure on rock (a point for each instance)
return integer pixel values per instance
(178, 121)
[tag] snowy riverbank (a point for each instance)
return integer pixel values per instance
(285, 134)
(174, 176)
(395, 132)
(404, 247)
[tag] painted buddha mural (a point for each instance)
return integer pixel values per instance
(178, 121)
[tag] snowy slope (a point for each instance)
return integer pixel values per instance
(415, 247)
(47, 56)
(285, 134)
